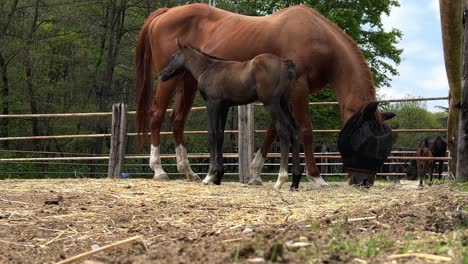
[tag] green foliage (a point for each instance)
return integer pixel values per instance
(65, 56)
(414, 115)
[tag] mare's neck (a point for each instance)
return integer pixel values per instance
(352, 80)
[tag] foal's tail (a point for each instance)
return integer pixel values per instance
(144, 67)
(291, 76)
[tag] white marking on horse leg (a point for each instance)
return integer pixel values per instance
(282, 178)
(208, 179)
(318, 181)
(155, 165)
(256, 168)
(183, 165)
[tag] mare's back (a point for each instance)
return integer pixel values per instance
(436, 144)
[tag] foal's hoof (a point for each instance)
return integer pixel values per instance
(255, 181)
(217, 182)
(208, 179)
(193, 178)
(420, 186)
(160, 176)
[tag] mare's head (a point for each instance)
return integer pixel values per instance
(365, 142)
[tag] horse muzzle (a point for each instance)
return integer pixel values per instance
(361, 178)
(164, 75)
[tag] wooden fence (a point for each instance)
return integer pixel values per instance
(245, 133)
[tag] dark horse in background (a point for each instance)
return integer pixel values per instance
(266, 78)
(438, 147)
(323, 53)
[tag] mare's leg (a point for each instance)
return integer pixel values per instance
(281, 124)
(420, 173)
(440, 165)
(291, 124)
(257, 163)
(221, 125)
(300, 107)
(429, 170)
(185, 94)
(164, 94)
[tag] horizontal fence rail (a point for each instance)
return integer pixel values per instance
(207, 155)
(323, 157)
(198, 108)
(202, 132)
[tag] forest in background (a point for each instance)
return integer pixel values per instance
(66, 56)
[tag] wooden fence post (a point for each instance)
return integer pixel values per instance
(245, 140)
(118, 140)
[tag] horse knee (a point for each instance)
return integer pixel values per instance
(305, 133)
(177, 122)
(157, 118)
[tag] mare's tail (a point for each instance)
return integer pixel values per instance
(144, 67)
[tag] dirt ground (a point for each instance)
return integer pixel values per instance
(46, 221)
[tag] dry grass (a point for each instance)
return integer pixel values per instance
(50, 220)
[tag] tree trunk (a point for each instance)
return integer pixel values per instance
(462, 159)
(5, 101)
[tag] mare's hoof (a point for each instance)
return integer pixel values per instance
(294, 189)
(193, 178)
(161, 176)
(420, 186)
(318, 181)
(254, 181)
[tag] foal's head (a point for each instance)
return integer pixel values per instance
(176, 65)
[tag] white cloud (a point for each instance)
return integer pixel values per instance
(436, 79)
(434, 6)
(422, 71)
(404, 18)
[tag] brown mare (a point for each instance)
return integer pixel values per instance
(266, 78)
(323, 53)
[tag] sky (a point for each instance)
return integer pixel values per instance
(422, 70)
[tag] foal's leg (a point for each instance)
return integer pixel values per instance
(212, 116)
(217, 114)
(300, 108)
(185, 94)
(281, 124)
(164, 94)
(291, 124)
(221, 125)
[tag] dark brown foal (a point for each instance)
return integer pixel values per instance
(266, 78)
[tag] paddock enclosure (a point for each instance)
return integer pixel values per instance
(247, 136)
(46, 221)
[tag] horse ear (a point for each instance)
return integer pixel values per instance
(388, 115)
(369, 110)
